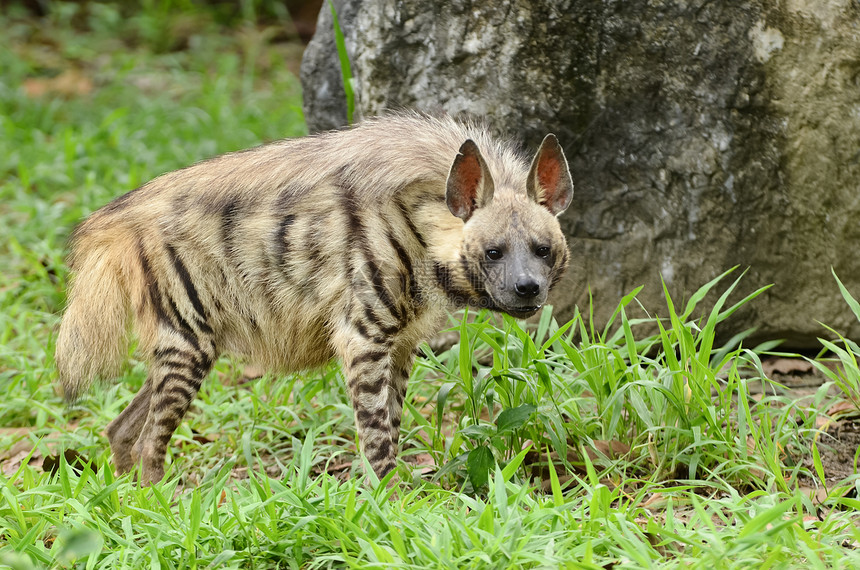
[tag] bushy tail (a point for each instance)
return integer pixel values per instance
(93, 340)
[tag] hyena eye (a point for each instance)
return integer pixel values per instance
(542, 251)
(493, 254)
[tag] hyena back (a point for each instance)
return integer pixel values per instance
(350, 244)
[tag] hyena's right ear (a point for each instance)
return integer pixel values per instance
(549, 182)
(469, 183)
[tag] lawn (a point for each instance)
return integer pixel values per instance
(554, 444)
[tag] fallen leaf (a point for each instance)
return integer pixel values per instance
(842, 408)
(423, 461)
(11, 465)
(822, 422)
(817, 494)
(786, 366)
(563, 479)
(420, 459)
(333, 468)
(13, 431)
(16, 448)
(611, 449)
(656, 500)
(70, 83)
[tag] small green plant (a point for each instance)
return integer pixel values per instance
(345, 67)
(846, 377)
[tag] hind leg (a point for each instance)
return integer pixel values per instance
(178, 370)
(124, 431)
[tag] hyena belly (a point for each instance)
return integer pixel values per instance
(349, 245)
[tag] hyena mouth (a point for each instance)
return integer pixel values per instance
(521, 312)
(524, 312)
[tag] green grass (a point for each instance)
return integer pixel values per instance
(557, 445)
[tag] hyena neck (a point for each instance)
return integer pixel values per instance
(461, 284)
(454, 279)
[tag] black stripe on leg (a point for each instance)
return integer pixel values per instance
(401, 253)
(165, 352)
(176, 364)
(373, 387)
(171, 377)
(370, 356)
(380, 451)
(185, 390)
(203, 365)
(164, 437)
(190, 338)
(199, 364)
(370, 420)
(172, 401)
(362, 330)
(357, 234)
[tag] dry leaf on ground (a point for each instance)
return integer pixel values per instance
(785, 366)
(70, 83)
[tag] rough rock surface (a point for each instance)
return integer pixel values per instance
(701, 135)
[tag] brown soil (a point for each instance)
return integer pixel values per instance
(838, 447)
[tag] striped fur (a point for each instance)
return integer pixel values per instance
(349, 244)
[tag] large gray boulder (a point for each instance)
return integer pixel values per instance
(701, 135)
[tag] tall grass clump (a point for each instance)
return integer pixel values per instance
(669, 404)
(845, 352)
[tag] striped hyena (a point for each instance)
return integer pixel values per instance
(349, 244)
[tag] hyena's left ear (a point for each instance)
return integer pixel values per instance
(549, 183)
(469, 183)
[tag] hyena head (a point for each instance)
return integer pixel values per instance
(513, 249)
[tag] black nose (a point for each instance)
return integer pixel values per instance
(527, 287)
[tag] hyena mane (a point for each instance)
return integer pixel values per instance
(350, 244)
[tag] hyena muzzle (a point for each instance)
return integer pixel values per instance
(350, 244)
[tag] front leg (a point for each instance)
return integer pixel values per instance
(368, 364)
(368, 374)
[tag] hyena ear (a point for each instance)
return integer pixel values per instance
(469, 183)
(549, 183)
